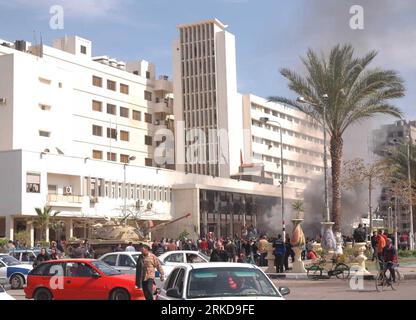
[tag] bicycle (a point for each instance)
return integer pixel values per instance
(341, 270)
(384, 277)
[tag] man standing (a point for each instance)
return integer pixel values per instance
(374, 244)
(381, 243)
(279, 253)
(130, 247)
(359, 234)
(147, 262)
(263, 251)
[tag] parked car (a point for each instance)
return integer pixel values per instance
(220, 281)
(125, 262)
(4, 295)
(26, 256)
(175, 258)
(12, 271)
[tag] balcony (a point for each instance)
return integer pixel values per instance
(58, 200)
(163, 84)
(163, 107)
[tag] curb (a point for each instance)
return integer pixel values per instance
(300, 276)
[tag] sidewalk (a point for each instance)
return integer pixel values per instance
(407, 273)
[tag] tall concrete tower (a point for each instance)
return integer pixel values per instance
(207, 108)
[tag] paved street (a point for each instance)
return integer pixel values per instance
(335, 289)
(332, 289)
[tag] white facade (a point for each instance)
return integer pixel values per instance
(206, 99)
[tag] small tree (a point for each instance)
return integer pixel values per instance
(357, 172)
(44, 219)
(298, 207)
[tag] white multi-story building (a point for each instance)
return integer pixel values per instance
(84, 134)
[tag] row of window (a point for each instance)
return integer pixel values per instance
(200, 83)
(112, 156)
(290, 163)
(288, 177)
(287, 147)
(199, 67)
(113, 134)
(193, 33)
(275, 113)
(111, 85)
(110, 189)
(291, 133)
(123, 111)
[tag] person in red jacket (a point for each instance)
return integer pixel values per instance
(203, 246)
(390, 258)
(381, 243)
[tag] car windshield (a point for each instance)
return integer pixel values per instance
(204, 256)
(135, 256)
(105, 268)
(9, 260)
(226, 281)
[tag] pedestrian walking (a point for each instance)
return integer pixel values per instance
(147, 262)
(263, 243)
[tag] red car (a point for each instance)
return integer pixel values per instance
(80, 279)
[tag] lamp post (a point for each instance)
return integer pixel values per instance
(282, 181)
(409, 141)
(132, 158)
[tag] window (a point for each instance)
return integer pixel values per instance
(124, 88)
(79, 270)
(124, 112)
(111, 133)
(97, 81)
(111, 85)
(110, 259)
(45, 134)
(124, 158)
(97, 105)
(124, 135)
(111, 156)
(97, 154)
(124, 260)
(44, 107)
(148, 96)
(52, 189)
(175, 257)
(44, 81)
(147, 75)
(148, 117)
(137, 115)
(83, 49)
(33, 182)
(148, 162)
(148, 140)
(111, 109)
(97, 131)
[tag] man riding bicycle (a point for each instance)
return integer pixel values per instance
(389, 261)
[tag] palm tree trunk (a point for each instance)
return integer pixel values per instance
(336, 145)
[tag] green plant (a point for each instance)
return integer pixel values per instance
(3, 243)
(298, 207)
(406, 253)
(43, 244)
(183, 235)
(44, 219)
(22, 237)
(339, 90)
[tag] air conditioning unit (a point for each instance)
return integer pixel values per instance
(68, 190)
(2, 101)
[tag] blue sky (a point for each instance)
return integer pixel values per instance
(270, 34)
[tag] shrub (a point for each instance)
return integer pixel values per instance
(183, 235)
(23, 237)
(3, 242)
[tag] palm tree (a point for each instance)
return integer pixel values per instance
(44, 219)
(349, 91)
(298, 207)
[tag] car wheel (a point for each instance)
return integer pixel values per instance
(17, 281)
(42, 294)
(120, 294)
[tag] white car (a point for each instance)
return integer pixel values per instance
(175, 258)
(4, 295)
(220, 281)
(13, 272)
(125, 262)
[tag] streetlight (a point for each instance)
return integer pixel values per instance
(282, 181)
(409, 141)
(132, 158)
